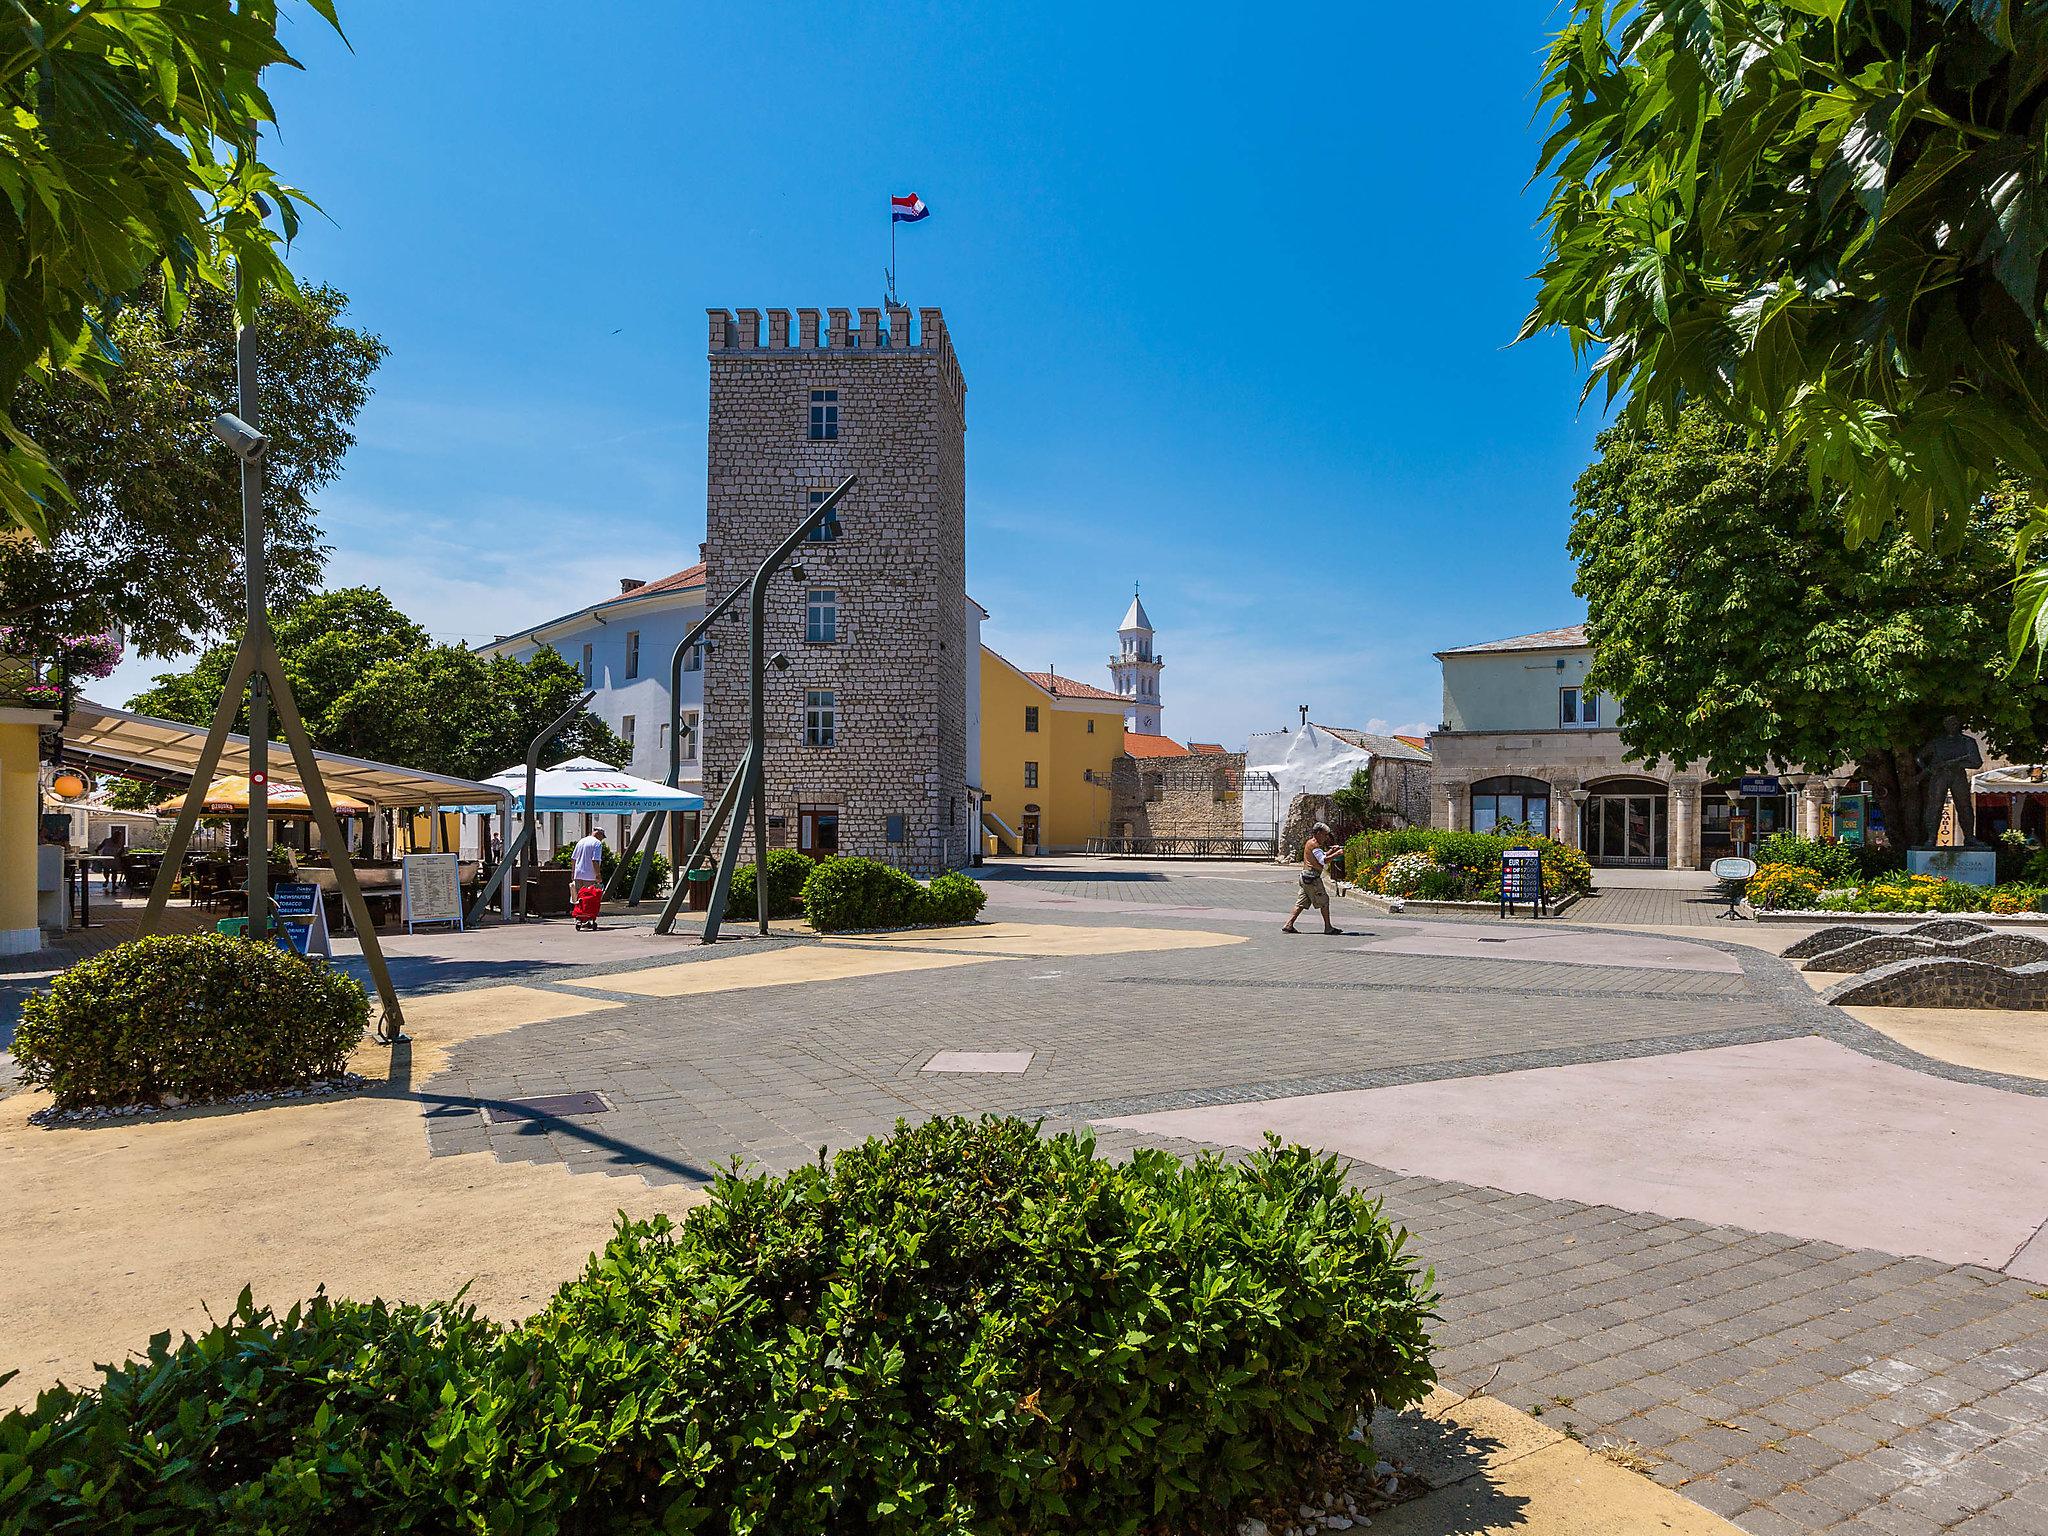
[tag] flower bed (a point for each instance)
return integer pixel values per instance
(1431, 865)
(1797, 888)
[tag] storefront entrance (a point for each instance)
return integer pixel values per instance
(1626, 826)
(817, 830)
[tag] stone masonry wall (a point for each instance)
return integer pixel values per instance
(898, 667)
(1196, 796)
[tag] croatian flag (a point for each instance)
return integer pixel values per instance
(907, 210)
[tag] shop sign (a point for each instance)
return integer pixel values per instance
(1851, 818)
(302, 914)
(1760, 784)
(1521, 879)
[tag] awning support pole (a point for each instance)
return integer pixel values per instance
(391, 1028)
(655, 823)
(709, 835)
(496, 883)
(611, 886)
(217, 733)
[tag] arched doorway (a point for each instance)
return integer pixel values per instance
(1511, 798)
(1625, 824)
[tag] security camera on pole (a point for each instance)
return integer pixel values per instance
(256, 667)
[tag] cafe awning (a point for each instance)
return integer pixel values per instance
(2019, 779)
(585, 784)
(229, 794)
(116, 741)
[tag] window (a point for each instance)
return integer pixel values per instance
(632, 653)
(821, 616)
(626, 725)
(1577, 707)
(1091, 727)
(1526, 801)
(660, 734)
(693, 658)
(1031, 775)
(1030, 717)
(824, 415)
(589, 666)
(821, 728)
(828, 530)
(688, 744)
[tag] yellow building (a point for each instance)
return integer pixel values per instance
(1047, 744)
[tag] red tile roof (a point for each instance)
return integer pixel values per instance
(1068, 688)
(1206, 748)
(1419, 743)
(692, 576)
(1139, 744)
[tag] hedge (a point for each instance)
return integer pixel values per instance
(196, 1016)
(787, 871)
(962, 1327)
(845, 894)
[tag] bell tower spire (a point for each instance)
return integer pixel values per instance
(1135, 669)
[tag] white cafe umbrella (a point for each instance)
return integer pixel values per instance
(585, 784)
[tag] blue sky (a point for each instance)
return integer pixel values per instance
(1233, 290)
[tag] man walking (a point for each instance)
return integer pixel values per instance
(1316, 852)
(586, 873)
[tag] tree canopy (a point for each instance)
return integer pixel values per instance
(1740, 635)
(128, 147)
(151, 541)
(370, 682)
(1825, 218)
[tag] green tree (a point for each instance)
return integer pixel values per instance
(1825, 218)
(128, 147)
(151, 541)
(371, 683)
(1738, 634)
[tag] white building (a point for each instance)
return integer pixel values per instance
(1135, 670)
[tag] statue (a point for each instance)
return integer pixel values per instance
(1949, 761)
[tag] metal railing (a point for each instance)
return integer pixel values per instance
(1184, 847)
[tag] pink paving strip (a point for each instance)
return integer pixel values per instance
(1803, 1137)
(1563, 946)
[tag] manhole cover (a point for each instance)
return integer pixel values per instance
(548, 1106)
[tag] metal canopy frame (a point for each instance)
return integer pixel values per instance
(746, 793)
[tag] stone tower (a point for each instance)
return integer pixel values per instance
(867, 727)
(1135, 668)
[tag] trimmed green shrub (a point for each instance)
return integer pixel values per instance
(961, 1327)
(954, 898)
(844, 894)
(198, 1016)
(787, 872)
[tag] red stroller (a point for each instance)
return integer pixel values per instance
(589, 899)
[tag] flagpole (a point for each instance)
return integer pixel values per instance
(892, 252)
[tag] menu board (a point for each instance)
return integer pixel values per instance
(302, 917)
(433, 889)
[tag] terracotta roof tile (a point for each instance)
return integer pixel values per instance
(1139, 744)
(1069, 688)
(1206, 749)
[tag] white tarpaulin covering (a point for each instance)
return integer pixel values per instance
(1309, 761)
(584, 784)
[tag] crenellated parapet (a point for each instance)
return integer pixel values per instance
(886, 332)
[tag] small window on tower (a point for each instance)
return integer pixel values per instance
(828, 530)
(824, 415)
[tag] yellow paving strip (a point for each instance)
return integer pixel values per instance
(1040, 940)
(1491, 1469)
(122, 1228)
(767, 968)
(2009, 1040)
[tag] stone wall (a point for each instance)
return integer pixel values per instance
(897, 670)
(1198, 796)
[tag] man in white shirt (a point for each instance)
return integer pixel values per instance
(1316, 853)
(586, 870)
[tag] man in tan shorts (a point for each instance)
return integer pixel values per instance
(1316, 853)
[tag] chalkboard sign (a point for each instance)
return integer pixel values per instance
(433, 889)
(1521, 879)
(302, 916)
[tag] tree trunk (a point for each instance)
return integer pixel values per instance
(1901, 790)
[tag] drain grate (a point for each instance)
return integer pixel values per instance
(547, 1106)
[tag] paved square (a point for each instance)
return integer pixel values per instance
(1855, 1378)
